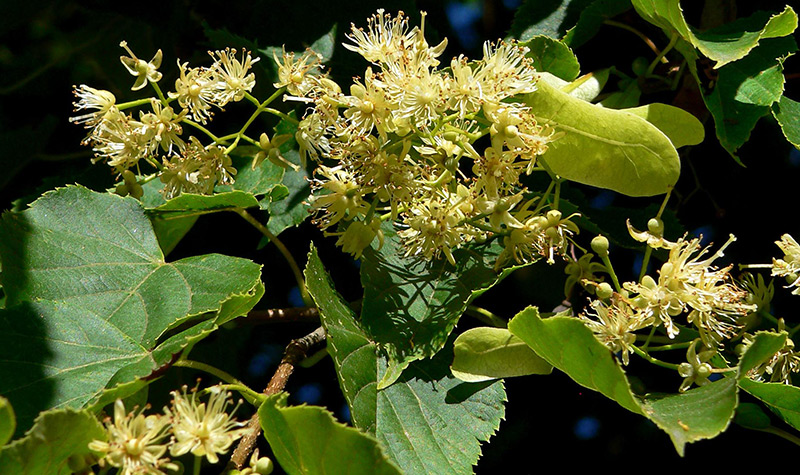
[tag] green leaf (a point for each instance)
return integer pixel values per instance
(546, 17)
(700, 413)
(724, 44)
(592, 18)
(628, 97)
(411, 304)
(325, 45)
(56, 436)
(734, 120)
(258, 181)
(782, 399)
(604, 147)
(292, 210)
(588, 86)
(763, 89)
(188, 204)
(567, 344)
(307, 439)
(787, 113)
(681, 127)
(553, 56)
(91, 299)
(751, 416)
(8, 422)
(485, 353)
(428, 421)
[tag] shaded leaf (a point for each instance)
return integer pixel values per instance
(546, 17)
(627, 97)
(91, 299)
(592, 18)
(751, 416)
(787, 113)
(485, 353)
(681, 127)
(188, 204)
(553, 56)
(782, 399)
(307, 439)
(726, 43)
(55, 437)
(293, 208)
(428, 421)
(411, 304)
(604, 147)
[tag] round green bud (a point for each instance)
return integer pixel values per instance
(685, 370)
(600, 245)
(604, 290)
(639, 66)
(264, 466)
(655, 226)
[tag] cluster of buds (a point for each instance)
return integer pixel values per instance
(403, 145)
(138, 443)
(123, 141)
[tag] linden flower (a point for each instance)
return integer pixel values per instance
(195, 91)
(134, 442)
(385, 38)
(92, 99)
(144, 71)
(203, 430)
(789, 266)
(232, 78)
(615, 324)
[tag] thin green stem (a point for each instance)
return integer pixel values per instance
(768, 316)
(202, 129)
(645, 262)
(649, 337)
(207, 368)
(310, 361)
(636, 32)
(655, 361)
(674, 346)
(661, 56)
(251, 396)
(298, 274)
(557, 194)
(610, 269)
(161, 97)
(136, 103)
(282, 115)
(198, 463)
(782, 433)
(486, 316)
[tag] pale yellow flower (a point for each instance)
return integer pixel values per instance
(789, 266)
(143, 70)
(195, 90)
(231, 75)
(204, 429)
(614, 325)
(134, 442)
(97, 100)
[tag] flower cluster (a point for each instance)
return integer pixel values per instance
(689, 290)
(138, 444)
(404, 141)
(123, 140)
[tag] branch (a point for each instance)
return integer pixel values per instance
(298, 314)
(295, 352)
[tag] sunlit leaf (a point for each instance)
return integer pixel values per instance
(308, 439)
(787, 113)
(553, 56)
(681, 127)
(604, 147)
(56, 436)
(486, 353)
(726, 43)
(8, 422)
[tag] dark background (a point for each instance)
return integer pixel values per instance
(47, 47)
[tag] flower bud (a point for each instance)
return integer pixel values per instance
(600, 245)
(604, 290)
(655, 226)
